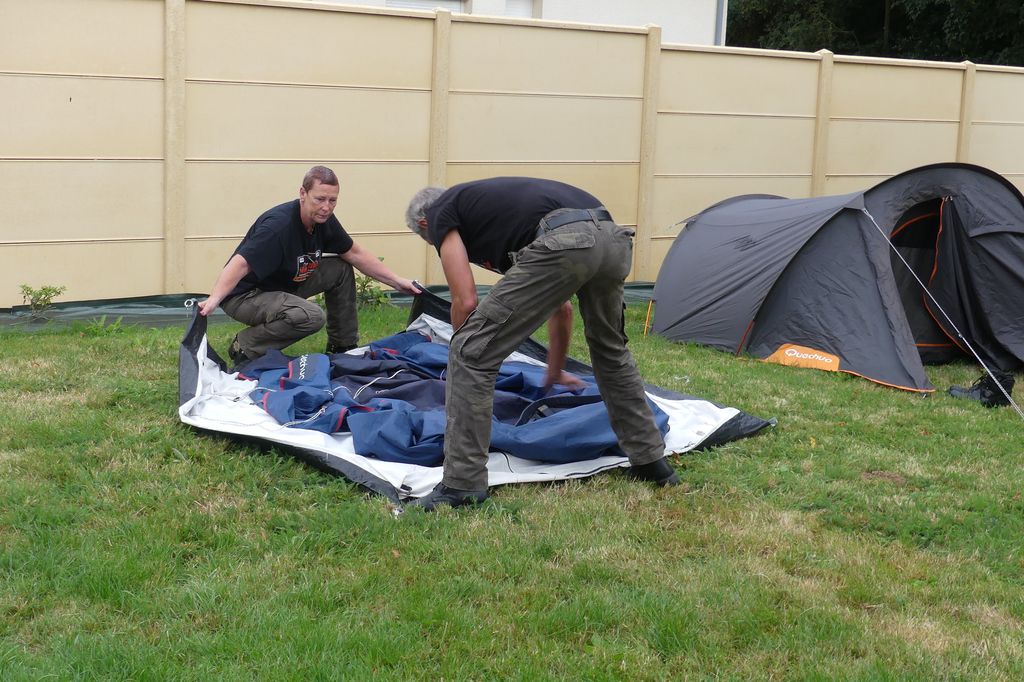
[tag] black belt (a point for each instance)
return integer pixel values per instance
(553, 222)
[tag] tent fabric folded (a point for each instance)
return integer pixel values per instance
(397, 412)
(376, 414)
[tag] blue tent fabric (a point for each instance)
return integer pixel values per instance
(391, 399)
(406, 428)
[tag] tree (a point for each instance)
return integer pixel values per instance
(990, 32)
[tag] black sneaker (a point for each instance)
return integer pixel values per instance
(658, 472)
(237, 355)
(333, 348)
(442, 496)
(985, 389)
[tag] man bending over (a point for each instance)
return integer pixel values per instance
(550, 241)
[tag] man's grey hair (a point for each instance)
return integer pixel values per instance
(418, 206)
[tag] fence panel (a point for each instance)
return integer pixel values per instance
(169, 125)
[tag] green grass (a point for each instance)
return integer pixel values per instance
(872, 534)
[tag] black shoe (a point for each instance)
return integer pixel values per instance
(333, 348)
(985, 389)
(658, 472)
(237, 355)
(442, 496)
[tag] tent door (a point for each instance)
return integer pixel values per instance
(916, 238)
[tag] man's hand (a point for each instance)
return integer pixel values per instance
(559, 332)
(406, 286)
(207, 306)
(563, 378)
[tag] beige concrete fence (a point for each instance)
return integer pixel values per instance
(140, 138)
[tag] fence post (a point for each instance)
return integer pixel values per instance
(963, 137)
(174, 147)
(642, 266)
(822, 120)
(437, 165)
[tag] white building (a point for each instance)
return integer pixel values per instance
(694, 22)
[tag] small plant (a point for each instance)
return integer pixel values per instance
(368, 294)
(100, 326)
(40, 300)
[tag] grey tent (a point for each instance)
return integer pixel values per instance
(815, 282)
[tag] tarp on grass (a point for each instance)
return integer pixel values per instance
(376, 416)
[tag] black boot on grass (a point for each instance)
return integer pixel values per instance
(985, 389)
(443, 496)
(658, 472)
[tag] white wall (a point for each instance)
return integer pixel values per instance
(681, 21)
(692, 22)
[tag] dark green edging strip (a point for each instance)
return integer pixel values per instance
(170, 308)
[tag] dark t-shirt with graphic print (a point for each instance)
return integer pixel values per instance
(499, 216)
(281, 254)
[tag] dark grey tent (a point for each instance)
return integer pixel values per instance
(815, 282)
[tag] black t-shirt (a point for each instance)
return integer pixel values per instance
(281, 254)
(499, 216)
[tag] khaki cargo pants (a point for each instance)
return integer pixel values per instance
(590, 259)
(278, 319)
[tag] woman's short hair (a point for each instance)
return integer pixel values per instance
(321, 174)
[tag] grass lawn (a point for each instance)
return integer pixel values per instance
(873, 534)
